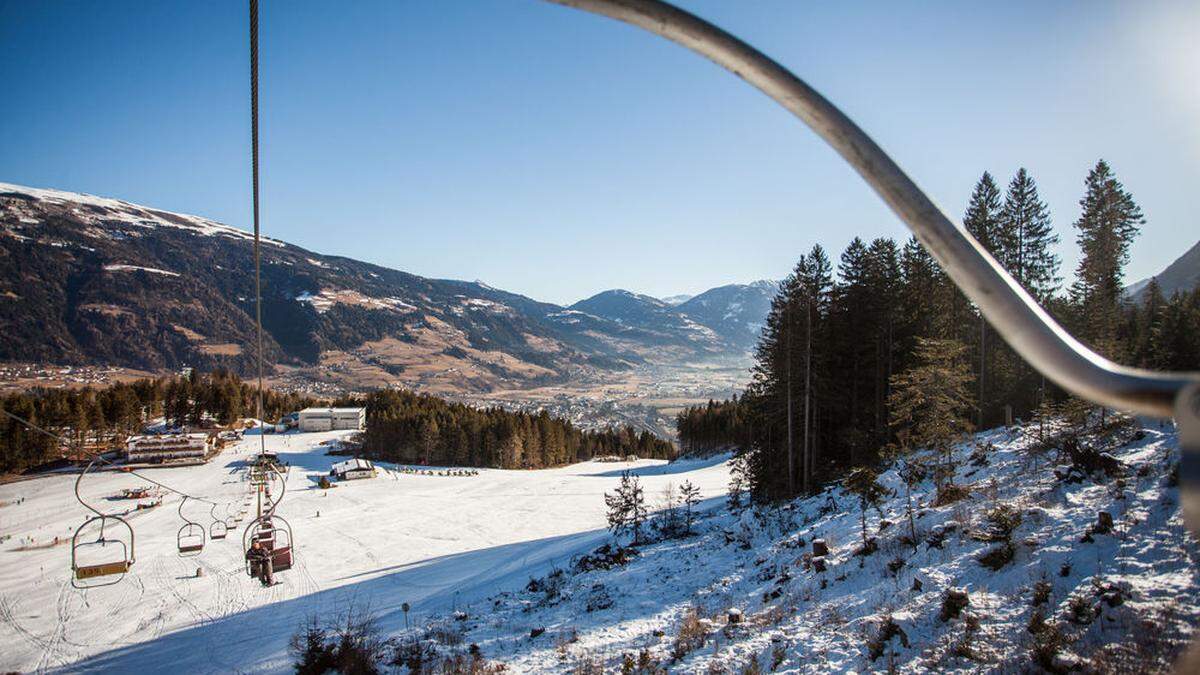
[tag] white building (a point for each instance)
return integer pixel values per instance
(167, 447)
(354, 468)
(329, 419)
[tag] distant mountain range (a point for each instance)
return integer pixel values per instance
(732, 314)
(1181, 275)
(90, 280)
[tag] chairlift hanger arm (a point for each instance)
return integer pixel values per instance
(1006, 305)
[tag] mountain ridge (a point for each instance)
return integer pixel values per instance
(90, 279)
(1183, 274)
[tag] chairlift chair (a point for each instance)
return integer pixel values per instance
(273, 534)
(108, 566)
(218, 529)
(190, 537)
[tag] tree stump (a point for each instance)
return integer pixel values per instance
(1104, 522)
(819, 548)
(953, 603)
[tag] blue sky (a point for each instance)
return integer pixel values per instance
(557, 154)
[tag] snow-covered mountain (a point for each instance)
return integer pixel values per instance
(736, 312)
(652, 317)
(731, 316)
(98, 281)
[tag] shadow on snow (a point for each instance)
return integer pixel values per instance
(257, 639)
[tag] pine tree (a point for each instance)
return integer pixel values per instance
(737, 479)
(983, 221)
(690, 494)
(1026, 239)
(1107, 226)
(626, 507)
(816, 281)
(1175, 341)
(863, 483)
(983, 211)
(1147, 321)
(930, 402)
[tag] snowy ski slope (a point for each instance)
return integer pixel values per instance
(434, 542)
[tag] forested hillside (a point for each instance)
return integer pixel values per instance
(420, 429)
(105, 416)
(885, 352)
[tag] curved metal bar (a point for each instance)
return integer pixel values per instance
(87, 506)
(1010, 310)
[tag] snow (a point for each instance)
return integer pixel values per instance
(326, 298)
(461, 550)
(121, 212)
(134, 268)
(431, 541)
(754, 562)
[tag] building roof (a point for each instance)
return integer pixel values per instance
(313, 411)
(354, 464)
(168, 437)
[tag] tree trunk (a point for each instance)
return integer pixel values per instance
(982, 364)
(791, 449)
(807, 470)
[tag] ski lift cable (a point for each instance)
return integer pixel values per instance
(1008, 307)
(257, 232)
(254, 171)
(98, 458)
